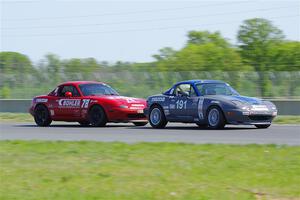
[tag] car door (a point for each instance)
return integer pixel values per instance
(67, 108)
(184, 106)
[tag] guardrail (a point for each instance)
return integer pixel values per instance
(285, 106)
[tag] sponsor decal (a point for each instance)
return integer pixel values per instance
(200, 108)
(259, 108)
(41, 100)
(158, 99)
(69, 103)
(172, 106)
(167, 112)
(246, 113)
(130, 100)
(52, 112)
(140, 111)
(137, 105)
(171, 91)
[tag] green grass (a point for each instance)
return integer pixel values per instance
(144, 171)
(25, 117)
(287, 119)
(15, 117)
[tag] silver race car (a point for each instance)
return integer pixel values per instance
(208, 103)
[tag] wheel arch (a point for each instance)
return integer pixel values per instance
(41, 104)
(218, 106)
(97, 104)
(156, 104)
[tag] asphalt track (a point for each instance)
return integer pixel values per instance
(174, 132)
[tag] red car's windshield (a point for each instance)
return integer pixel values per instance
(96, 89)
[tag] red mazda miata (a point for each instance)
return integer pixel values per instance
(89, 103)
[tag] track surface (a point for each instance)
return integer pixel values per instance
(185, 133)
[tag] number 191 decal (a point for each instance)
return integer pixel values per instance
(180, 104)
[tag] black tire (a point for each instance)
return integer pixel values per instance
(42, 116)
(159, 120)
(261, 126)
(201, 125)
(84, 123)
(140, 123)
(217, 122)
(97, 116)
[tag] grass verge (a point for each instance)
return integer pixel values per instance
(25, 117)
(94, 170)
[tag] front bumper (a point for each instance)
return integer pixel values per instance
(126, 115)
(31, 110)
(250, 117)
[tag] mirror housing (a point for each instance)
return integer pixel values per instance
(68, 94)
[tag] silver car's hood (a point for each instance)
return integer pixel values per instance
(244, 99)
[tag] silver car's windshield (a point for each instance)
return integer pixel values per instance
(216, 89)
(96, 89)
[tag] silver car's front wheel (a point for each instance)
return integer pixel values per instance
(215, 118)
(155, 116)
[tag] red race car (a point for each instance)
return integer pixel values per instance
(89, 103)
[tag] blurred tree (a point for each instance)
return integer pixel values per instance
(204, 37)
(257, 37)
(52, 65)
(13, 62)
(16, 67)
(204, 51)
(165, 54)
(286, 56)
(5, 92)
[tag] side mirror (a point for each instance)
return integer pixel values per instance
(68, 94)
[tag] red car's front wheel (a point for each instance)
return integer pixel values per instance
(97, 116)
(42, 116)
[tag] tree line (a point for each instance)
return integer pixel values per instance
(261, 48)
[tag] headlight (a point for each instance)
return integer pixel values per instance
(241, 105)
(270, 105)
(123, 106)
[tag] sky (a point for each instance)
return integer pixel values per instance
(128, 30)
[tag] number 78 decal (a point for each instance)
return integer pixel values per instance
(180, 104)
(85, 103)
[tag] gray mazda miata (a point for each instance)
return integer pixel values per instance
(208, 103)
